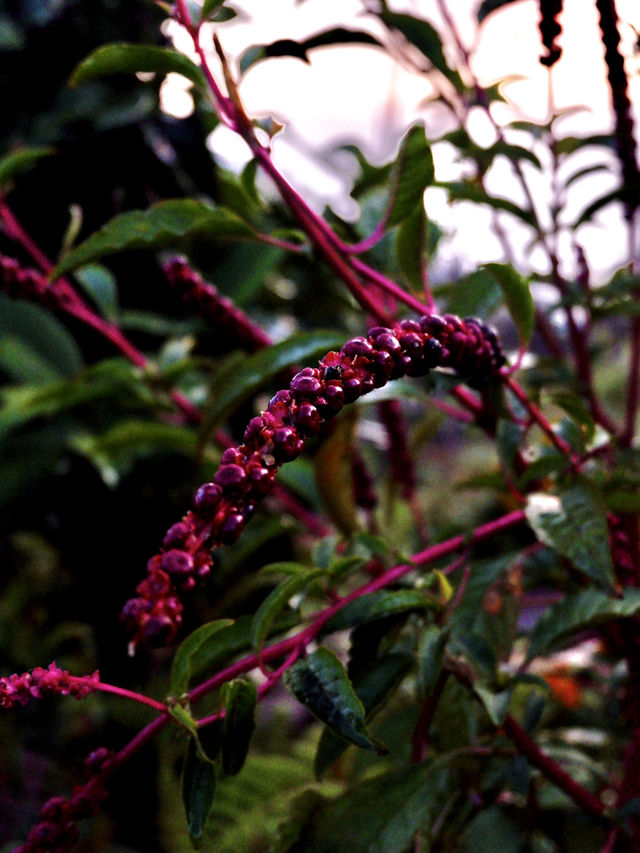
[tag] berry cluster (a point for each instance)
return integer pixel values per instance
(41, 682)
(57, 829)
(550, 29)
(222, 508)
(624, 134)
(204, 300)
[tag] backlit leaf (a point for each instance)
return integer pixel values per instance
(133, 58)
(165, 224)
(411, 174)
(517, 297)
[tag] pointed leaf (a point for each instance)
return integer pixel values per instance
(120, 58)
(410, 248)
(274, 603)
(496, 704)
(373, 688)
(411, 174)
(577, 612)
(248, 375)
(489, 6)
(240, 698)
(598, 204)
(19, 161)
(182, 666)
(377, 605)
(574, 523)
(430, 653)
(198, 786)
(426, 38)
(320, 683)
(100, 284)
(468, 191)
(165, 224)
(517, 297)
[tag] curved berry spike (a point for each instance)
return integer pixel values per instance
(222, 508)
(42, 682)
(204, 300)
(550, 29)
(618, 83)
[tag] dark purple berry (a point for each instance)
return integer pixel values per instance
(231, 456)
(207, 497)
(357, 346)
(260, 479)
(54, 809)
(307, 419)
(335, 397)
(231, 528)
(287, 444)
(283, 396)
(352, 388)
(176, 535)
(177, 563)
(304, 385)
(332, 372)
(230, 478)
(253, 430)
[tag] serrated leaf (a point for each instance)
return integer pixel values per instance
(240, 698)
(377, 605)
(198, 786)
(412, 172)
(246, 375)
(379, 815)
(165, 224)
(274, 603)
(320, 683)
(121, 58)
(574, 523)
(373, 688)
(410, 248)
(19, 161)
(577, 612)
(517, 297)
(189, 651)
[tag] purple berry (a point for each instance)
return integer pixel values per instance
(177, 563)
(207, 497)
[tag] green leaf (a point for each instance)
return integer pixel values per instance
(379, 815)
(120, 58)
(165, 224)
(493, 829)
(240, 698)
(517, 297)
(489, 6)
(574, 523)
(475, 295)
(320, 683)
(410, 248)
(495, 703)
(274, 603)
(373, 688)
(100, 284)
(19, 161)
(215, 650)
(39, 332)
(411, 174)
(426, 38)
(377, 605)
(191, 648)
(247, 375)
(577, 612)
(198, 785)
(468, 191)
(433, 641)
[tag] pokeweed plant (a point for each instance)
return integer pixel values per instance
(427, 635)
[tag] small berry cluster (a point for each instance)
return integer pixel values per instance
(550, 29)
(21, 283)
(222, 508)
(41, 682)
(618, 83)
(204, 300)
(57, 829)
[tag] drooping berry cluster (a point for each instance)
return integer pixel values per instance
(57, 830)
(618, 83)
(222, 508)
(41, 682)
(204, 300)
(550, 29)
